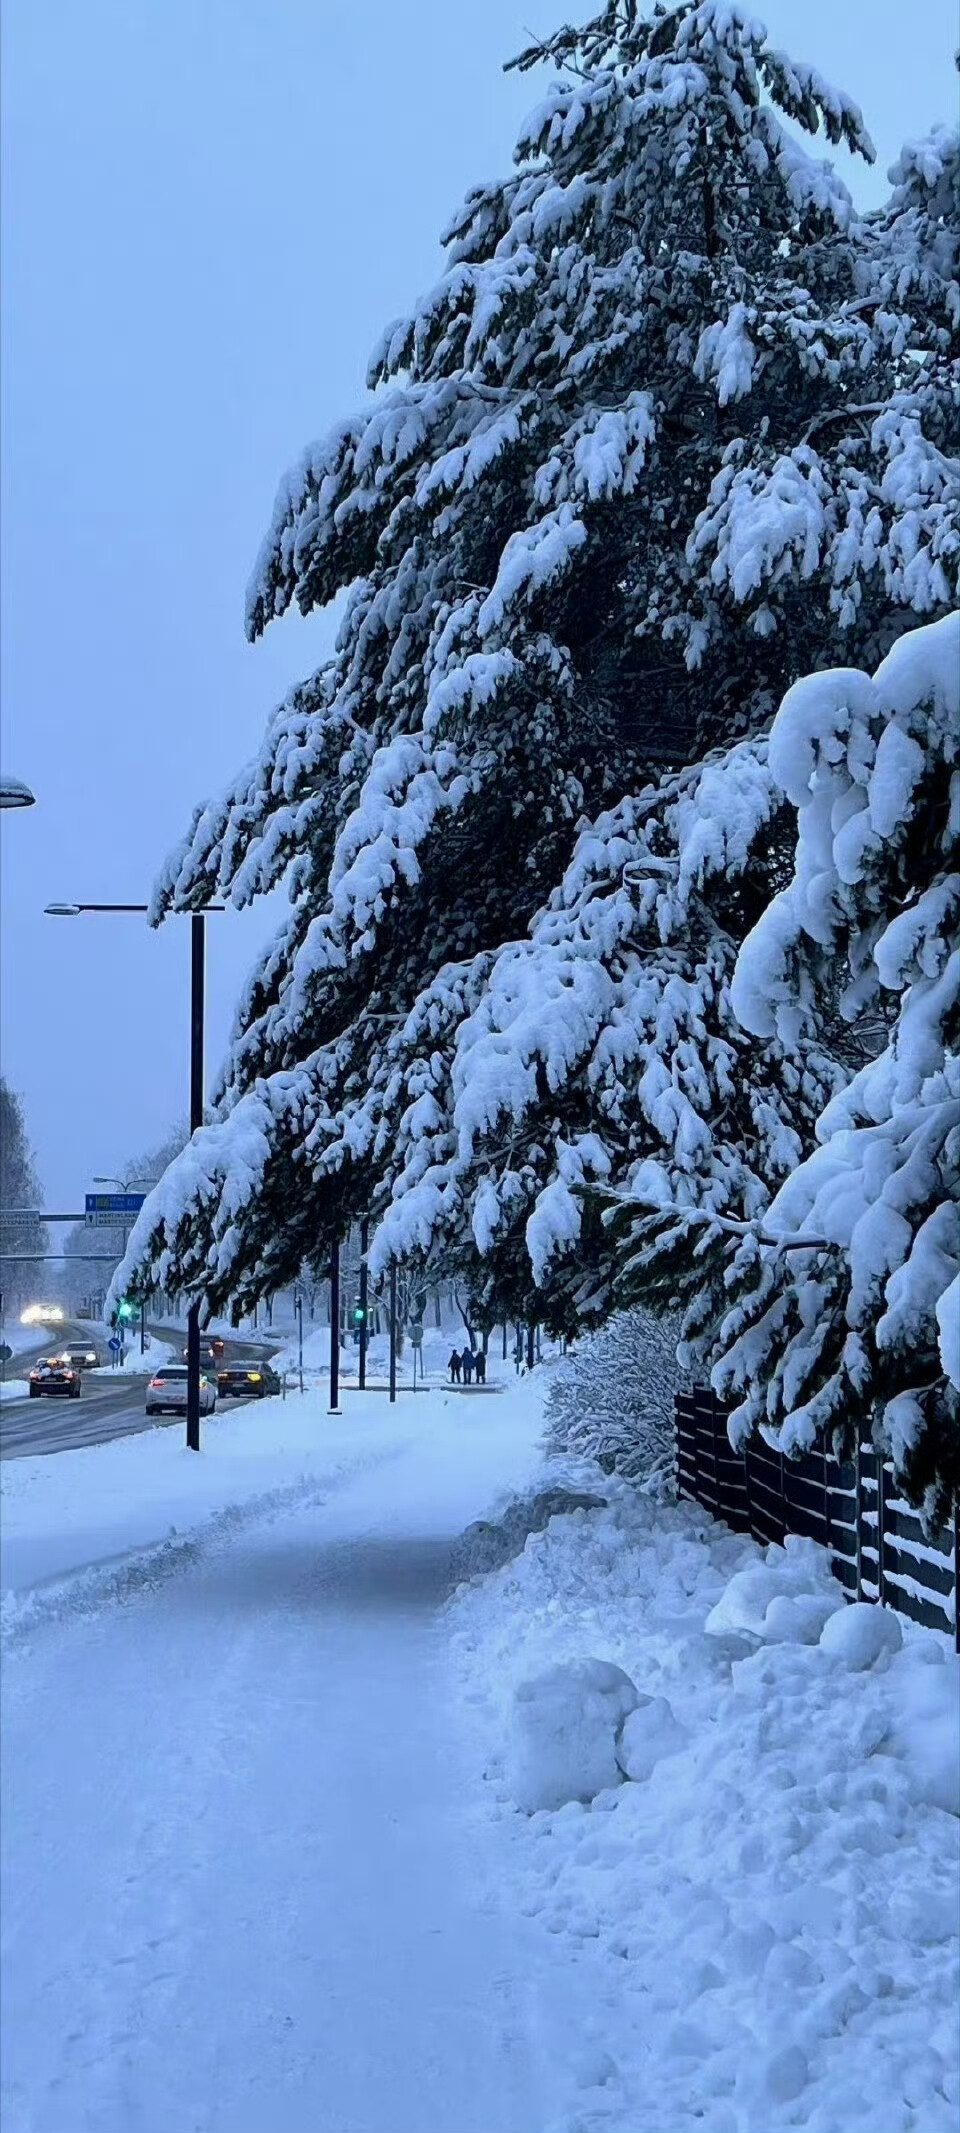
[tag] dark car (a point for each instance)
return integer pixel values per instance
(211, 1349)
(247, 1381)
(83, 1355)
(55, 1375)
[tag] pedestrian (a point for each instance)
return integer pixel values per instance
(467, 1362)
(454, 1367)
(480, 1366)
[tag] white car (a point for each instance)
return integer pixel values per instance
(168, 1389)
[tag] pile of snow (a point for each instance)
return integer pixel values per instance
(136, 1362)
(490, 1542)
(784, 1599)
(726, 1790)
(566, 1728)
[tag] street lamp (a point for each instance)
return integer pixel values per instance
(197, 961)
(14, 793)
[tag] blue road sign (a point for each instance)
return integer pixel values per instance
(115, 1344)
(112, 1210)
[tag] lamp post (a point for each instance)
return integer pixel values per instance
(197, 961)
(298, 1309)
(334, 1408)
(14, 793)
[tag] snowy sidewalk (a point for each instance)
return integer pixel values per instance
(238, 1890)
(264, 1865)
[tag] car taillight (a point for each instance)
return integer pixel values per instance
(156, 1384)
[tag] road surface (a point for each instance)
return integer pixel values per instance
(108, 1407)
(244, 1886)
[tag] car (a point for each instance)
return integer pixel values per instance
(42, 1315)
(247, 1381)
(55, 1375)
(211, 1349)
(168, 1390)
(83, 1355)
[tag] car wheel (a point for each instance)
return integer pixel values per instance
(34, 1392)
(76, 1395)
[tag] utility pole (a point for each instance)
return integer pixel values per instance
(197, 944)
(362, 1358)
(335, 1408)
(393, 1329)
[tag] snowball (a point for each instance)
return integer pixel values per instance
(786, 2074)
(800, 1568)
(859, 1633)
(649, 1733)
(925, 1736)
(797, 1618)
(564, 1734)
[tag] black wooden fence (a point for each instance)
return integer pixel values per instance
(880, 1550)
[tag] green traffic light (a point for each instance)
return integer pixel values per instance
(359, 1315)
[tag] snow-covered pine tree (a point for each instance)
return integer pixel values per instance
(19, 1188)
(661, 438)
(864, 1326)
(604, 1048)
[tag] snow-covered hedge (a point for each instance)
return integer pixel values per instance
(611, 1398)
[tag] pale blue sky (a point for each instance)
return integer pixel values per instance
(210, 207)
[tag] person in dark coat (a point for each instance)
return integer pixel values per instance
(454, 1367)
(480, 1366)
(467, 1363)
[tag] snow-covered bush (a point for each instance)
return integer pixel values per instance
(672, 428)
(611, 1397)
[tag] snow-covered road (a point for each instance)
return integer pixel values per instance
(242, 1887)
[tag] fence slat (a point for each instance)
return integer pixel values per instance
(877, 1542)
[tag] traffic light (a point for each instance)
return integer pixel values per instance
(359, 1314)
(125, 1311)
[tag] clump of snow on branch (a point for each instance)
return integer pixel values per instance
(864, 1319)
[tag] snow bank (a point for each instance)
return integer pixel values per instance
(137, 1363)
(764, 1914)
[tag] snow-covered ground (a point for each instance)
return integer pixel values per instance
(432, 1359)
(24, 1340)
(263, 1862)
(765, 1923)
(137, 1361)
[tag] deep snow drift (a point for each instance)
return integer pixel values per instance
(264, 1863)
